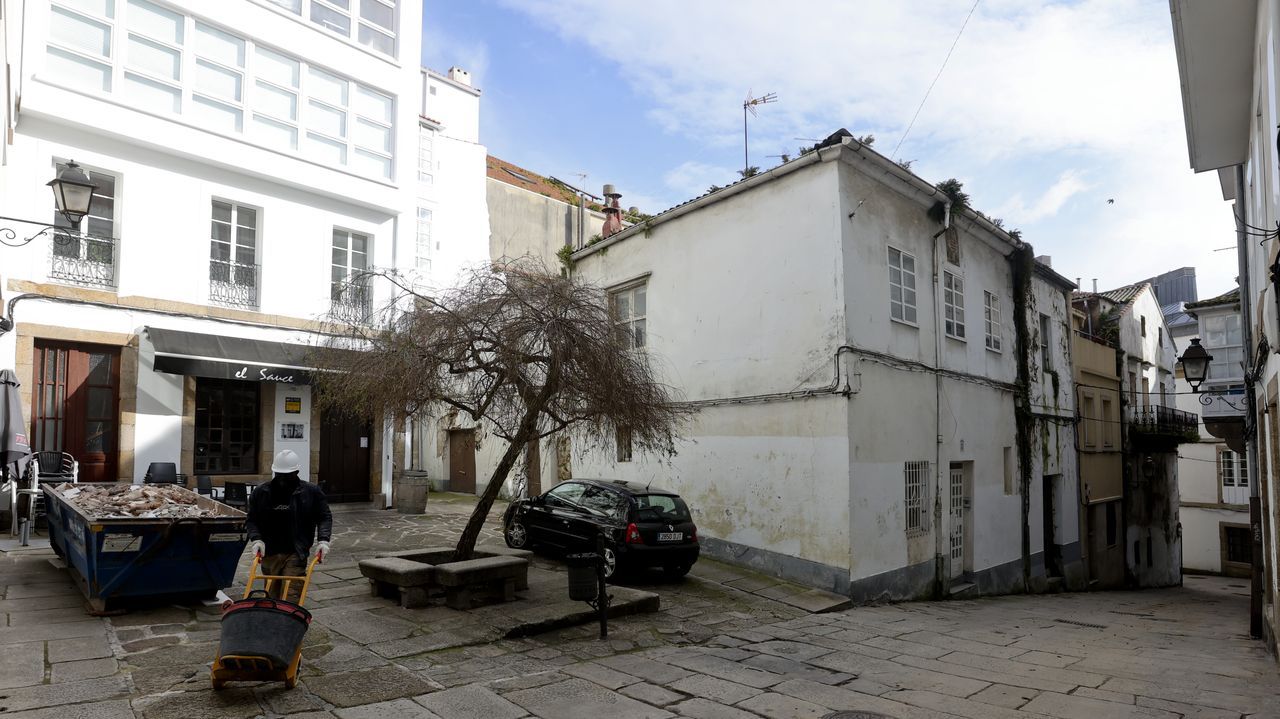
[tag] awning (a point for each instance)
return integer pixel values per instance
(200, 355)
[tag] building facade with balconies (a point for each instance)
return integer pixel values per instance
(1129, 320)
(1214, 476)
(252, 160)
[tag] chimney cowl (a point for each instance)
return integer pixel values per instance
(460, 76)
(1045, 260)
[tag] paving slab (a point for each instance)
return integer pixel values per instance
(581, 699)
(473, 702)
(366, 686)
(22, 665)
(600, 674)
(83, 669)
(705, 709)
(394, 709)
(206, 704)
(651, 694)
(1003, 695)
(69, 650)
(1078, 707)
(113, 709)
(48, 695)
(781, 706)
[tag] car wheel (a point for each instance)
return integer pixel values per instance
(517, 535)
(610, 563)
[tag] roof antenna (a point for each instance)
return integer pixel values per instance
(749, 105)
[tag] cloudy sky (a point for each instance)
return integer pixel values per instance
(1046, 110)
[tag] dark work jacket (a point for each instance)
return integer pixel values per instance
(309, 514)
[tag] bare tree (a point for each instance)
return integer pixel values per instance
(525, 352)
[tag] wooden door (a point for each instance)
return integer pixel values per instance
(77, 406)
(533, 468)
(462, 461)
(344, 458)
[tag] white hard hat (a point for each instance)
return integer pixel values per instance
(286, 461)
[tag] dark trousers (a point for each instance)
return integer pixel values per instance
(284, 565)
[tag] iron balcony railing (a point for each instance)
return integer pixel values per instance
(1164, 421)
(83, 259)
(233, 283)
(351, 301)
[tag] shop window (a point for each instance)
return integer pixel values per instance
(227, 424)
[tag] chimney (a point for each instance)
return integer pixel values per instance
(612, 212)
(460, 76)
(1045, 260)
(1095, 285)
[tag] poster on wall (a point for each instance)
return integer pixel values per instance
(293, 405)
(292, 430)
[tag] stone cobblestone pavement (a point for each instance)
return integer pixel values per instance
(712, 652)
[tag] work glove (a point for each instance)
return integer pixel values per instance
(322, 550)
(258, 548)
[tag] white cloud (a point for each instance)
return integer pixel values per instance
(1038, 93)
(1016, 210)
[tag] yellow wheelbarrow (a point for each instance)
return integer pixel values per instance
(262, 636)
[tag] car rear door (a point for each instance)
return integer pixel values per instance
(606, 511)
(663, 520)
(562, 514)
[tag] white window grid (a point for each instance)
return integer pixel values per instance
(1232, 468)
(953, 305)
(422, 254)
(241, 226)
(120, 27)
(630, 307)
(902, 286)
(426, 145)
(915, 479)
(374, 26)
(991, 318)
(957, 513)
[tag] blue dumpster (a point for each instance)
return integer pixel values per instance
(115, 561)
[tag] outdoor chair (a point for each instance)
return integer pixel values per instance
(204, 485)
(47, 468)
(236, 494)
(164, 473)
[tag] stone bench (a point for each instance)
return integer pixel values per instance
(394, 577)
(440, 555)
(493, 575)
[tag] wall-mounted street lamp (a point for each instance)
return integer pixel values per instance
(73, 198)
(1195, 365)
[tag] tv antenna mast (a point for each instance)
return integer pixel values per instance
(749, 105)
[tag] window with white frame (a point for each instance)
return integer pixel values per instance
(374, 26)
(163, 61)
(915, 478)
(350, 261)
(953, 305)
(902, 286)
(1223, 339)
(1046, 332)
(426, 148)
(991, 318)
(233, 251)
(1232, 470)
(630, 314)
(422, 253)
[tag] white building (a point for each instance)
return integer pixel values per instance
(851, 347)
(453, 217)
(1131, 321)
(1226, 61)
(1213, 476)
(251, 158)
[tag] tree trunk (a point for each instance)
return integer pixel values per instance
(467, 542)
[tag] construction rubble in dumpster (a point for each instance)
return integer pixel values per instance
(124, 501)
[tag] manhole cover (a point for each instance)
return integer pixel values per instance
(856, 715)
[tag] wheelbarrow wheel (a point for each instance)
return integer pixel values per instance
(218, 684)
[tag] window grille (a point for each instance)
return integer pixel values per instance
(915, 477)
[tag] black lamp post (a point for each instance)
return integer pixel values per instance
(73, 198)
(1195, 365)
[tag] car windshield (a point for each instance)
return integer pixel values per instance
(661, 508)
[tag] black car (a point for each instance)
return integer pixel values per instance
(643, 526)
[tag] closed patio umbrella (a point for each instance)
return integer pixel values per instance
(15, 448)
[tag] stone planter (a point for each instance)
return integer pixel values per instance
(410, 491)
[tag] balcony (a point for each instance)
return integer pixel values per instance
(351, 302)
(85, 260)
(1162, 428)
(233, 284)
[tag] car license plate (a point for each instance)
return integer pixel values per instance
(670, 536)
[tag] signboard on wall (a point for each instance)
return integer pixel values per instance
(292, 423)
(292, 405)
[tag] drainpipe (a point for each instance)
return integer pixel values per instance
(941, 572)
(1251, 419)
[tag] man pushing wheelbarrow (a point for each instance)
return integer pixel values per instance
(285, 516)
(262, 633)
